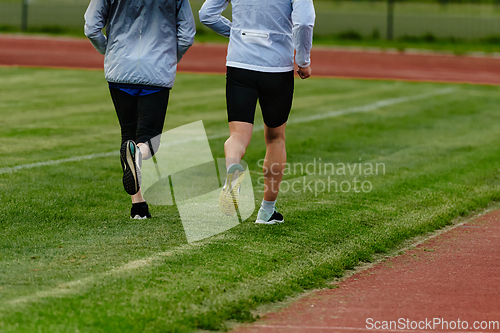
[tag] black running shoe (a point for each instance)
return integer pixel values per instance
(131, 160)
(140, 211)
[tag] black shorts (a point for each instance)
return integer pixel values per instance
(273, 90)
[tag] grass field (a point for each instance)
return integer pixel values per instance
(72, 260)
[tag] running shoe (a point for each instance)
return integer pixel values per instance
(140, 211)
(230, 194)
(263, 217)
(131, 158)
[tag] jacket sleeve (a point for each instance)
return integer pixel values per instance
(303, 17)
(186, 28)
(96, 18)
(211, 16)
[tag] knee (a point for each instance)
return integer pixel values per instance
(241, 138)
(275, 139)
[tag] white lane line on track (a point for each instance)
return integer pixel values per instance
(331, 114)
(334, 328)
(322, 328)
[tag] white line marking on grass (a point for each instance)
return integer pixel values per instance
(55, 162)
(355, 109)
(79, 286)
(75, 287)
(370, 107)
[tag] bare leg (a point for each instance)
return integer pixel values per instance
(144, 148)
(240, 134)
(274, 162)
(137, 197)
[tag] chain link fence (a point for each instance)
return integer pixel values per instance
(457, 19)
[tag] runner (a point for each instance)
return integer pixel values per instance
(260, 63)
(144, 42)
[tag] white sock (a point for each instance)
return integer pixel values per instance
(229, 166)
(268, 206)
(227, 171)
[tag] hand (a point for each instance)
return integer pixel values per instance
(304, 72)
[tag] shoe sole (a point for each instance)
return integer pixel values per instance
(137, 217)
(269, 222)
(131, 172)
(229, 198)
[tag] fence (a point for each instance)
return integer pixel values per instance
(395, 19)
(376, 18)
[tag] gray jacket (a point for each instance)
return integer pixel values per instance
(263, 33)
(145, 39)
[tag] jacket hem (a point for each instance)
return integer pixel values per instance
(141, 83)
(259, 68)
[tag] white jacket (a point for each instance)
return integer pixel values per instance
(144, 39)
(263, 33)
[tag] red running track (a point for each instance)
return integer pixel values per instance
(79, 53)
(454, 276)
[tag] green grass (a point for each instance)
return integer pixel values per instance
(71, 259)
(424, 42)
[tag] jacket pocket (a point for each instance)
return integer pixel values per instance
(255, 37)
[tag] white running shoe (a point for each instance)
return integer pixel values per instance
(229, 197)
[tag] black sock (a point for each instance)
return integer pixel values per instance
(141, 209)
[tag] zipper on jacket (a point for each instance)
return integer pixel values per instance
(254, 34)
